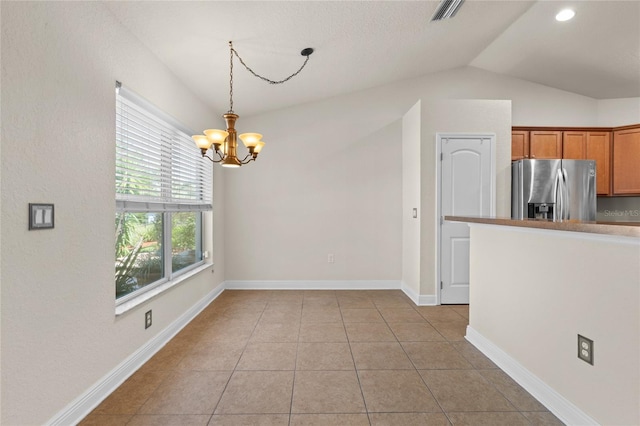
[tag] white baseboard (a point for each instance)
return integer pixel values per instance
(314, 285)
(419, 300)
(428, 300)
(562, 408)
(411, 293)
(85, 403)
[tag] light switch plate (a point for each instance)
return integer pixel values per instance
(40, 216)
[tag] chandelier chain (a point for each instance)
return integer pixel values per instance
(230, 78)
(233, 51)
(224, 143)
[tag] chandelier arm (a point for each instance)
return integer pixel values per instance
(249, 160)
(211, 159)
(265, 78)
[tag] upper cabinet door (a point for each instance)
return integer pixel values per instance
(545, 145)
(574, 145)
(599, 149)
(626, 167)
(519, 144)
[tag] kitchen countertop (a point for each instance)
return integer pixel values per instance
(623, 229)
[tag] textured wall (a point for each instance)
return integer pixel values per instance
(459, 116)
(60, 61)
(329, 180)
(411, 142)
(618, 112)
(326, 182)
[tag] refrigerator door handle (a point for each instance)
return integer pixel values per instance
(566, 201)
(557, 196)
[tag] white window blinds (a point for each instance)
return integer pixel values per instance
(158, 167)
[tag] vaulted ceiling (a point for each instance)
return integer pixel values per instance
(362, 44)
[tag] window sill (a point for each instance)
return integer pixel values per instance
(146, 296)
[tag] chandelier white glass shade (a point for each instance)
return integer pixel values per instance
(224, 143)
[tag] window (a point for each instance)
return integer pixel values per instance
(163, 188)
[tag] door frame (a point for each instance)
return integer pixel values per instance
(438, 224)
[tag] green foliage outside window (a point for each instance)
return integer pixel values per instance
(138, 251)
(183, 239)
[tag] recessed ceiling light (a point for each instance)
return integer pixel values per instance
(565, 15)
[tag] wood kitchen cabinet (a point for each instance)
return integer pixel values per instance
(616, 151)
(579, 145)
(599, 149)
(626, 161)
(519, 144)
(545, 144)
(574, 145)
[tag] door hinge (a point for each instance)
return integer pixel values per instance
(440, 285)
(441, 220)
(441, 156)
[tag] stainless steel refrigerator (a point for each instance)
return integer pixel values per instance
(553, 189)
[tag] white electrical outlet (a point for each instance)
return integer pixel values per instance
(330, 258)
(585, 349)
(147, 319)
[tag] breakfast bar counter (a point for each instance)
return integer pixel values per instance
(534, 286)
(622, 229)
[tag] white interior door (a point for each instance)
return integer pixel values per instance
(466, 189)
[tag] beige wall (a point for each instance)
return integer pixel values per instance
(326, 182)
(411, 145)
(60, 61)
(458, 116)
(330, 177)
(618, 112)
(533, 292)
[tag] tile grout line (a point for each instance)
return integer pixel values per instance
(295, 363)
(171, 373)
(238, 361)
(414, 365)
(355, 367)
(445, 412)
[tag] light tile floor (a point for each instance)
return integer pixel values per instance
(321, 358)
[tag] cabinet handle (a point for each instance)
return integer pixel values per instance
(533, 156)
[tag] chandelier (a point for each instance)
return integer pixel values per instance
(224, 143)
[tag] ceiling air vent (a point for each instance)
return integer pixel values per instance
(446, 9)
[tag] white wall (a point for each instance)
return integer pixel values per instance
(618, 112)
(459, 116)
(329, 178)
(411, 145)
(583, 284)
(60, 61)
(532, 104)
(326, 182)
